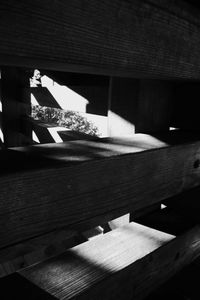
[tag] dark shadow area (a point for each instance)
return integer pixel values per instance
(181, 213)
(69, 135)
(166, 220)
(186, 106)
(76, 79)
(17, 287)
(183, 286)
(195, 3)
(177, 137)
(139, 106)
(186, 204)
(44, 97)
(124, 98)
(42, 133)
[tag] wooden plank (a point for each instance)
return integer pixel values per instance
(126, 263)
(85, 265)
(35, 250)
(38, 249)
(54, 185)
(137, 38)
(184, 285)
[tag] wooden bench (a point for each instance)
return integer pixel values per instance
(142, 59)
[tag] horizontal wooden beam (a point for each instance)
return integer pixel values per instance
(32, 251)
(128, 263)
(46, 187)
(151, 39)
(21, 255)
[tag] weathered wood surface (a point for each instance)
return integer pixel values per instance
(130, 38)
(83, 266)
(126, 263)
(49, 186)
(26, 253)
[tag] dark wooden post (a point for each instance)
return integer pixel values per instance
(154, 106)
(15, 106)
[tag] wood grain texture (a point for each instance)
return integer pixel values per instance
(85, 265)
(49, 186)
(127, 263)
(128, 38)
(29, 252)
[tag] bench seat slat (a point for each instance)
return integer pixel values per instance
(125, 263)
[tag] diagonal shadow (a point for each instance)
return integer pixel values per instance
(17, 287)
(44, 97)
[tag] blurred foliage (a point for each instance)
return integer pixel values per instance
(69, 119)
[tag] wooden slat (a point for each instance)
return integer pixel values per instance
(40, 248)
(137, 38)
(50, 186)
(35, 250)
(127, 263)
